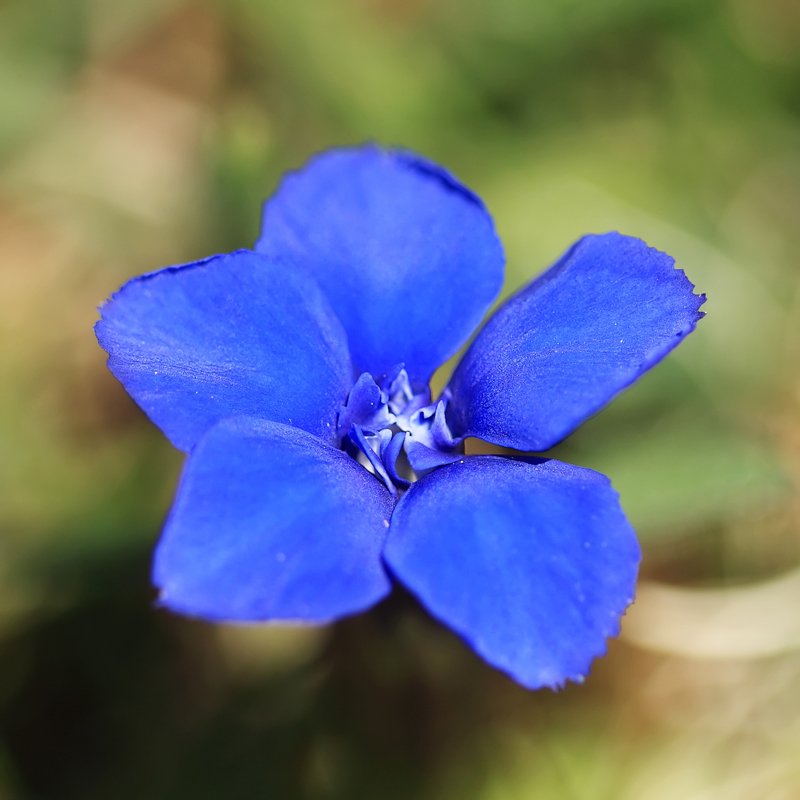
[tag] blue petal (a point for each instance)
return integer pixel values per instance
(231, 335)
(407, 255)
(532, 563)
(558, 351)
(272, 524)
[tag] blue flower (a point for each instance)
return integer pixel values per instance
(296, 378)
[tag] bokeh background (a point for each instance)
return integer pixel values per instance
(133, 135)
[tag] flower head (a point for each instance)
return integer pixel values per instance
(320, 469)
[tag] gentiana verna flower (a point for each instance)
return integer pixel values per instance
(320, 470)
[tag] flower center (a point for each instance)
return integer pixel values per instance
(395, 431)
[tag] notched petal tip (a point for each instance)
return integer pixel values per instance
(439, 173)
(172, 269)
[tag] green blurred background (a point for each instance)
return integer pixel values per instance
(137, 135)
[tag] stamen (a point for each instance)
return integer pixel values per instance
(382, 420)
